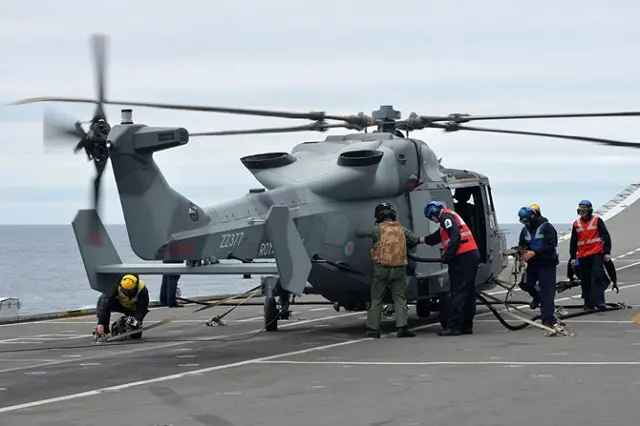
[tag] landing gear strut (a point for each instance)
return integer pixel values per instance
(440, 305)
(276, 303)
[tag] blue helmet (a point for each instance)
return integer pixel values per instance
(433, 208)
(587, 204)
(527, 214)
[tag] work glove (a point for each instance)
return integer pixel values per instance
(445, 258)
(614, 286)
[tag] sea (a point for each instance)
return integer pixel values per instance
(41, 266)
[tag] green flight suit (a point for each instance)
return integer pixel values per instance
(394, 277)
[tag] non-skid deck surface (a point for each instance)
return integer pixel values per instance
(317, 369)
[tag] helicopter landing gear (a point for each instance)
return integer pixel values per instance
(271, 314)
(276, 303)
(352, 306)
(424, 308)
(284, 302)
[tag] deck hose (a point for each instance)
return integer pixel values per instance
(519, 269)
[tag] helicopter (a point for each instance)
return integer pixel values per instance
(303, 216)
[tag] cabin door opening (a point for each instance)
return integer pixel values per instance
(468, 203)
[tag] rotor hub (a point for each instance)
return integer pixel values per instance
(386, 113)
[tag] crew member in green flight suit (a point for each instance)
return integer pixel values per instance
(389, 255)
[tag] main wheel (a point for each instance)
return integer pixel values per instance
(423, 308)
(444, 304)
(271, 314)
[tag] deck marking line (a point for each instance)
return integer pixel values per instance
(173, 344)
(575, 363)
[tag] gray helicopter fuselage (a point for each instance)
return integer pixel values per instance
(330, 186)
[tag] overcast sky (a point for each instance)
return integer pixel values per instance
(477, 57)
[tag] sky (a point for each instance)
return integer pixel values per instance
(434, 58)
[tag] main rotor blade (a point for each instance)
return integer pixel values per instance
(99, 50)
(313, 115)
(464, 118)
(358, 119)
(455, 127)
(319, 127)
(53, 99)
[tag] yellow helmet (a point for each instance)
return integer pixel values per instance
(535, 207)
(129, 284)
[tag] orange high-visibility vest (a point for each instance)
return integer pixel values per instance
(589, 239)
(467, 242)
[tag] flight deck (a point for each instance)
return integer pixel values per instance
(318, 369)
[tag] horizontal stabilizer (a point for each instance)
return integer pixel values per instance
(182, 269)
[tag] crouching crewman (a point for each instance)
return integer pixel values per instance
(131, 298)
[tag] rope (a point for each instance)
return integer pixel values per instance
(115, 340)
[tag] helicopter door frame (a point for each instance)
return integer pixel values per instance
(418, 199)
(481, 227)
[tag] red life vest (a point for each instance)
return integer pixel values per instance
(589, 240)
(467, 242)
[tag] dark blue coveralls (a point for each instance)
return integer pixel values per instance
(168, 288)
(592, 268)
(463, 269)
(541, 238)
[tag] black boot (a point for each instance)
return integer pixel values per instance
(372, 333)
(404, 332)
(449, 332)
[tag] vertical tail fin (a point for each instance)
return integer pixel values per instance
(152, 209)
(291, 255)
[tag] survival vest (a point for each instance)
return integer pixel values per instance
(589, 239)
(467, 242)
(126, 302)
(535, 239)
(391, 248)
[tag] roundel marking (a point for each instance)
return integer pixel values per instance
(348, 248)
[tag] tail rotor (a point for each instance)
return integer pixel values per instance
(59, 131)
